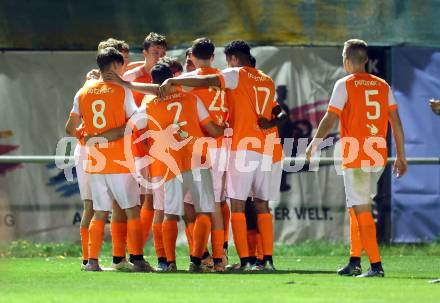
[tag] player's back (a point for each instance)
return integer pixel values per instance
(104, 106)
(250, 99)
(363, 102)
(181, 110)
(214, 98)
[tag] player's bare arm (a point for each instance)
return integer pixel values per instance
(197, 81)
(110, 135)
(280, 118)
(324, 128)
(146, 88)
(400, 164)
(72, 125)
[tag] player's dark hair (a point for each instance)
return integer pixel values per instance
(188, 52)
(356, 51)
(203, 48)
(107, 56)
(173, 64)
(154, 39)
(253, 61)
(160, 72)
(120, 45)
(239, 49)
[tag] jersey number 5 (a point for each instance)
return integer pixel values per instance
(266, 92)
(98, 114)
(372, 103)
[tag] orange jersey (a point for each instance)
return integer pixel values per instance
(138, 74)
(103, 106)
(363, 103)
(250, 94)
(214, 98)
(187, 114)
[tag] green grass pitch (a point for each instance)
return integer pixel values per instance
(306, 273)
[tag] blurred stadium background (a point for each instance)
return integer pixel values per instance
(48, 47)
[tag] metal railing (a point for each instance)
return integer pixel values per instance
(322, 160)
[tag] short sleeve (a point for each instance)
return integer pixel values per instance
(75, 107)
(129, 104)
(140, 118)
(339, 97)
(229, 77)
(202, 113)
(392, 104)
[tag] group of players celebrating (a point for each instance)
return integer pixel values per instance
(204, 138)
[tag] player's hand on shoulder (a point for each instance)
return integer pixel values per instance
(94, 74)
(400, 167)
(166, 88)
(112, 76)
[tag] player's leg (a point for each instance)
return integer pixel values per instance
(189, 218)
(169, 235)
(86, 218)
(118, 230)
(226, 212)
(265, 228)
(126, 192)
(217, 236)
(199, 182)
(252, 226)
(353, 268)
(147, 214)
(238, 188)
(86, 196)
(217, 220)
(102, 204)
(96, 237)
(158, 205)
(173, 208)
(360, 187)
(147, 209)
(266, 186)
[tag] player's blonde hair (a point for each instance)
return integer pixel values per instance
(120, 45)
(356, 51)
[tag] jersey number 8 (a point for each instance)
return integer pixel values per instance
(98, 114)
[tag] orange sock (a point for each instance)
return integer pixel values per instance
(118, 231)
(202, 229)
(239, 230)
(189, 231)
(260, 255)
(158, 241)
(84, 232)
(146, 221)
(217, 240)
(265, 227)
(134, 237)
(169, 235)
(355, 237)
(96, 237)
(226, 219)
(252, 242)
(367, 229)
